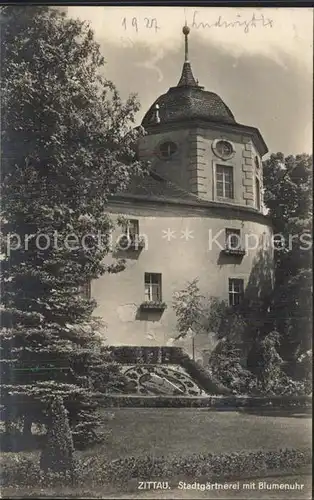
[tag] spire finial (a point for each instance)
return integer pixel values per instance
(187, 79)
(186, 31)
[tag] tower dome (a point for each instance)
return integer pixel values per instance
(188, 100)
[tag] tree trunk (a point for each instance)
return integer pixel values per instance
(8, 427)
(27, 427)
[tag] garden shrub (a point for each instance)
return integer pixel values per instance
(58, 452)
(225, 364)
(17, 470)
(287, 386)
(272, 373)
(266, 374)
(304, 366)
(232, 465)
(265, 362)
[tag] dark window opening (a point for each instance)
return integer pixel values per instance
(153, 287)
(132, 228)
(167, 149)
(257, 193)
(236, 291)
(233, 239)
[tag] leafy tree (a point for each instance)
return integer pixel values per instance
(266, 362)
(58, 453)
(190, 309)
(68, 144)
(216, 313)
(187, 304)
(228, 325)
(225, 363)
(288, 197)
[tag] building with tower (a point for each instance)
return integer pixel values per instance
(199, 214)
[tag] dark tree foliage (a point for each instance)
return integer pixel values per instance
(288, 196)
(58, 452)
(68, 145)
(225, 363)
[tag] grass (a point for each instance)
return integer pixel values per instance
(184, 431)
(181, 432)
(170, 431)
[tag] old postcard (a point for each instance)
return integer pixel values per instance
(156, 242)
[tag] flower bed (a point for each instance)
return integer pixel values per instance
(153, 305)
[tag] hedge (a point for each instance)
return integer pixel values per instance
(144, 354)
(214, 467)
(215, 402)
(24, 471)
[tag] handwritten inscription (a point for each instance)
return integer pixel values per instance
(136, 24)
(238, 22)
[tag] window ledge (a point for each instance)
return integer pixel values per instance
(234, 251)
(153, 305)
(225, 199)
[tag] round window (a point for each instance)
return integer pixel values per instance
(167, 149)
(224, 149)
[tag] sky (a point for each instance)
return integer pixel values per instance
(258, 60)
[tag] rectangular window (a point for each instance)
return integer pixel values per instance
(153, 287)
(131, 228)
(257, 193)
(224, 181)
(233, 239)
(236, 291)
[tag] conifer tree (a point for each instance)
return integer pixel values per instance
(58, 452)
(68, 145)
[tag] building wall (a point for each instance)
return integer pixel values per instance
(174, 169)
(179, 260)
(193, 166)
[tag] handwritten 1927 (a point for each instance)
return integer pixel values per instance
(136, 24)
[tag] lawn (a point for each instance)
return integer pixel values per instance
(181, 432)
(171, 431)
